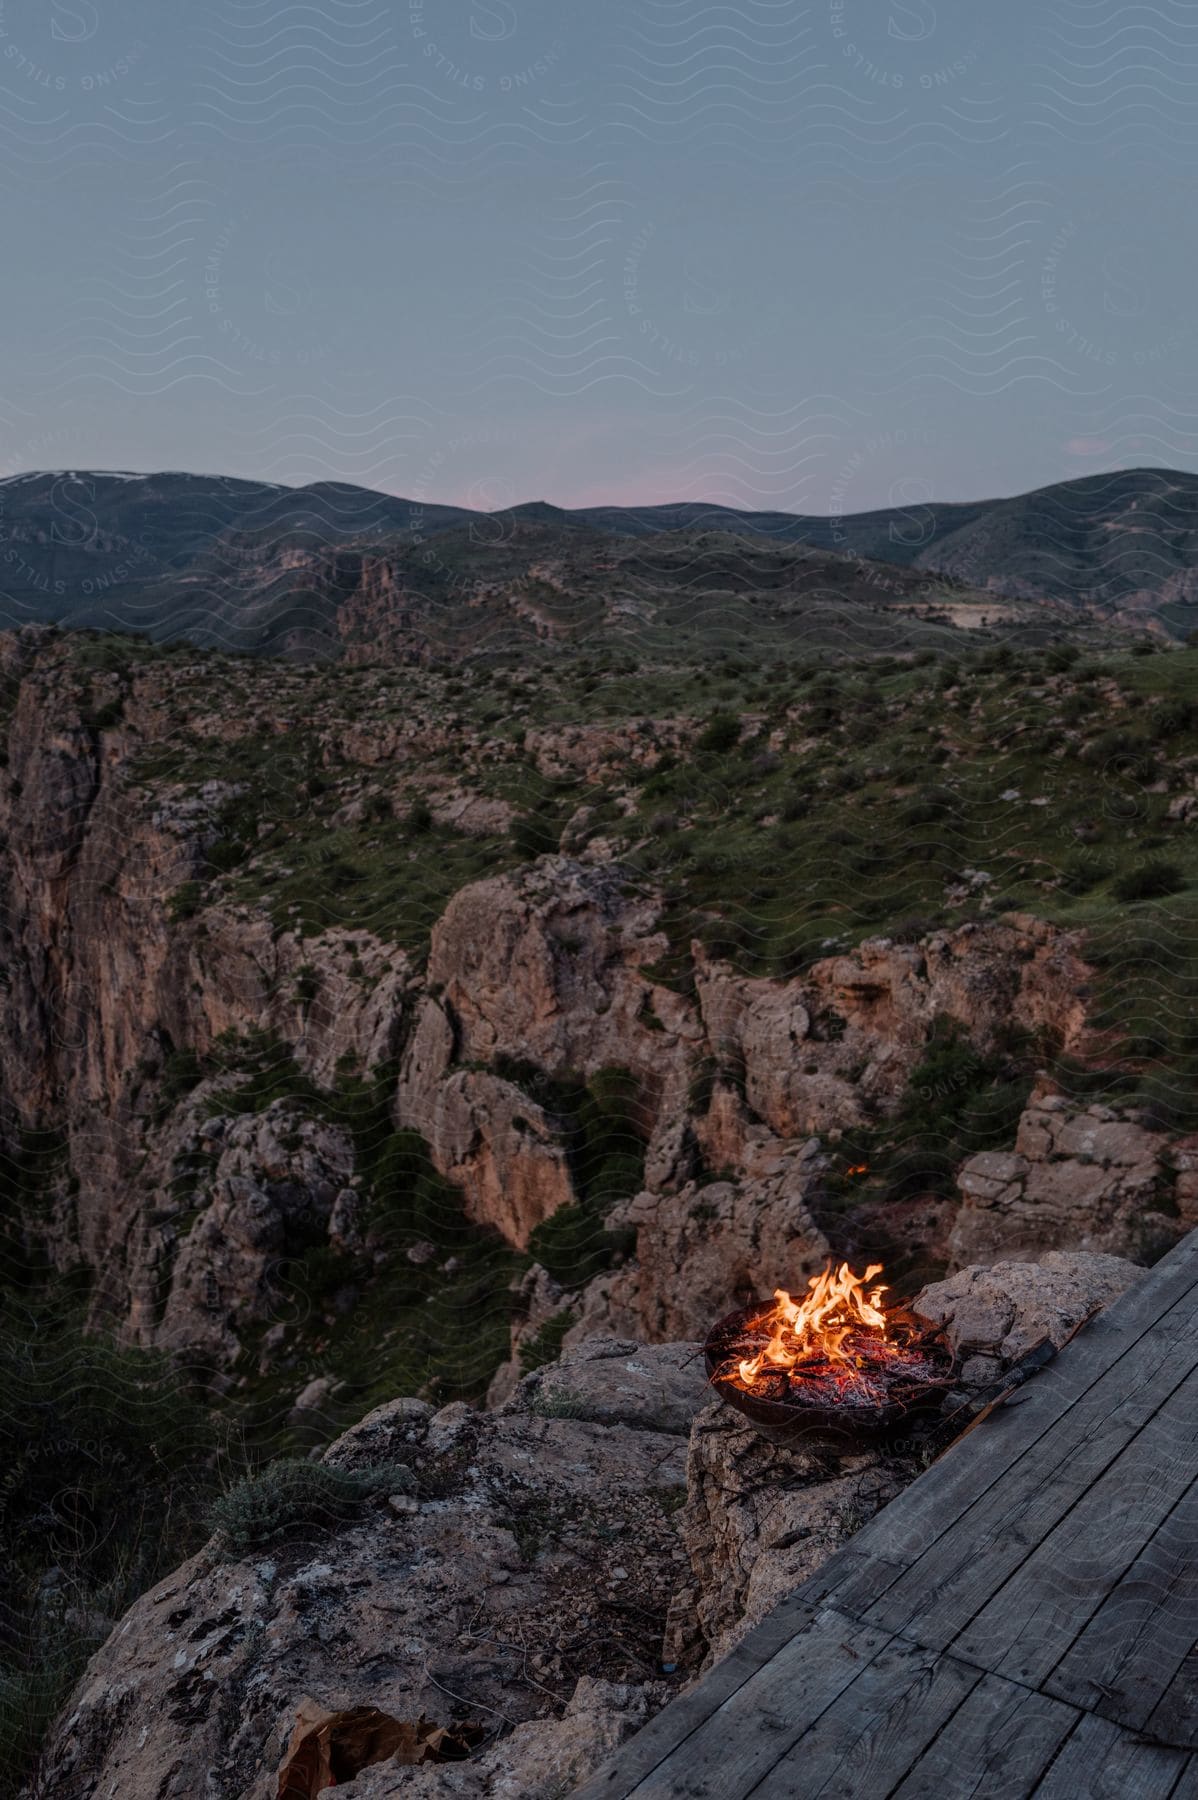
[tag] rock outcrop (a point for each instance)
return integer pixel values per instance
(548, 1574)
(515, 1573)
(259, 1189)
(817, 1051)
(132, 975)
(502, 1150)
(713, 1245)
(551, 968)
(1085, 1177)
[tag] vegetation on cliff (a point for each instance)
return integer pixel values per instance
(223, 880)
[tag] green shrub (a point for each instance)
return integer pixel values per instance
(958, 1102)
(1169, 1098)
(270, 1073)
(1173, 716)
(574, 1245)
(106, 1463)
(720, 734)
(409, 1194)
(181, 1071)
(1081, 873)
(106, 716)
(1150, 881)
(292, 1498)
(186, 901)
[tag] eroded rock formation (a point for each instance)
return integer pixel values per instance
(1084, 1176)
(549, 1573)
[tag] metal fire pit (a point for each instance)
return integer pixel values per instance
(783, 1421)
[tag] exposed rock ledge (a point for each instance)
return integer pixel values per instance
(516, 1570)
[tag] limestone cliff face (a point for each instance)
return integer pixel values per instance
(106, 982)
(548, 973)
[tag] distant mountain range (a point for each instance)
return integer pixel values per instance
(336, 569)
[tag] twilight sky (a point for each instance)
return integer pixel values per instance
(817, 256)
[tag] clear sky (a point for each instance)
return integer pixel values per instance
(819, 257)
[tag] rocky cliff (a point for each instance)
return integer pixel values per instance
(381, 1035)
(535, 1581)
(183, 1071)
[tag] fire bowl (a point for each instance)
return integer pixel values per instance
(784, 1420)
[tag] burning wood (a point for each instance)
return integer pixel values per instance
(839, 1355)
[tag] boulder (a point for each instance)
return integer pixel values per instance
(500, 1558)
(651, 1387)
(1085, 1177)
(993, 1316)
(712, 1246)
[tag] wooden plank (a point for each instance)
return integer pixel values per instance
(1123, 1662)
(874, 1730)
(1101, 1761)
(805, 1677)
(961, 1568)
(735, 1746)
(1164, 1299)
(996, 1746)
(1187, 1787)
(1030, 1622)
(675, 1723)
(1172, 1719)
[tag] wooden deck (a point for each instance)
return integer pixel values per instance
(1022, 1620)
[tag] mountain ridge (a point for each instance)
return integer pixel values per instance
(260, 566)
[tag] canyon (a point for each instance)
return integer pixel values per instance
(420, 1075)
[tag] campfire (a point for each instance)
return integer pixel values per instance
(839, 1358)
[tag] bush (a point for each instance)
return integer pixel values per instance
(291, 1497)
(927, 807)
(181, 1071)
(1081, 873)
(106, 716)
(603, 1126)
(1168, 1100)
(1150, 881)
(720, 734)
(574, 1246)
(1174, 716)
(105, 1460)
(958, 1102)
(408, 1194)
(186, 901)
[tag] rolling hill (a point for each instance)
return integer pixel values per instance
(332, 569)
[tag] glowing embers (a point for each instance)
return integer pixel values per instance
(838, 1357)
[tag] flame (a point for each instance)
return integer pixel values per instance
(825, 1326)
(857, 1169)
